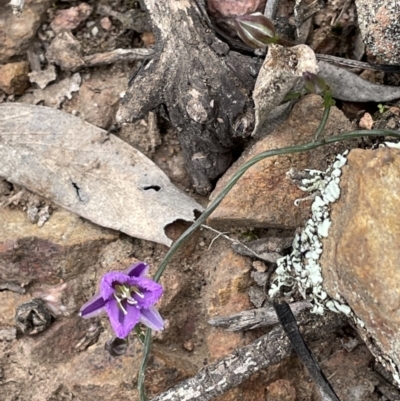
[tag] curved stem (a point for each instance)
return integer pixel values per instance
(143, 364)
(322, 123)
(269, 153)
(285, 42)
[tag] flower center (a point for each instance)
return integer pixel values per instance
(123, 292)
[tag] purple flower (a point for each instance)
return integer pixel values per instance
(128, 297)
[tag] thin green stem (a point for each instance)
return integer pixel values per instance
(322, 122)
(269, 153)
(143, 364)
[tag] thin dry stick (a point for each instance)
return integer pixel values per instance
(232, 370)
(234, 241)
(255, 318)
(117, 55)
(342, 11)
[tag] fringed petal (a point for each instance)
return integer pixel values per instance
(93, 307)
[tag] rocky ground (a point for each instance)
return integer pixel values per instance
(63, 55)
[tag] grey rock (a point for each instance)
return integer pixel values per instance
(379, 25)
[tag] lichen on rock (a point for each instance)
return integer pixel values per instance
(301, 270)
(354, 270)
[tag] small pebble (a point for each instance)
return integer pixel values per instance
(260, 266)
(106, 23)
(366, 121)
(148, 39)
(188, 345)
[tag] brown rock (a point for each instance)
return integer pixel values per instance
(357, 382)
(61, 341)
(366, 121)
(264, 197)
(174, 282)
(148, 39)
(70, 18)
(169, 367)
(188, 345)
(281, 390)
(44, 77)
(98, 98)
(65, 51)
(140, 135)
(14, 77)
(56, 94)
(228, 8)
(93, 373)
(361, 255)
(8, 304)
(16, 32)
(60, 249)
(229, 284)
(106, 23)
(228, 294)
(379, 24)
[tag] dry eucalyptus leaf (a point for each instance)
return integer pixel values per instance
(351, 88)
(89, 172)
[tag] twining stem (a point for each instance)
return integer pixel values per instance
(322, 124)
(269, 153)
(143, 364)
(203, 217)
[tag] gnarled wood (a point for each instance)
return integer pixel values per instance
(233, 369)
(204, 87)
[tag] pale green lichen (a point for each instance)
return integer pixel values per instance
(391, 145)
(301, 270)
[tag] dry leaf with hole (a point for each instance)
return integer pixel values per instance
(89, 172)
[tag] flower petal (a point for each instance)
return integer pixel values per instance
(93, 307)
(138, 269)
(151, 291)
(151, 318)
(106, 284)
(247, 38)
(256, 30)
(122, 324)
(257, 22)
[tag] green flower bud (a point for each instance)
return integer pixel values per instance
(314, 83)
(256, 30)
